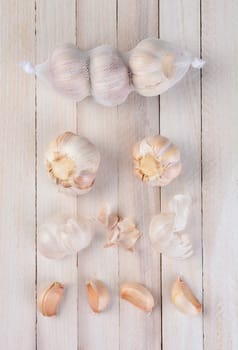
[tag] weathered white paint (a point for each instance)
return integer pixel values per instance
(203, 122)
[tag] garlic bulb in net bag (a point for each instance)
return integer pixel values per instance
(157, 65)
(150, 69)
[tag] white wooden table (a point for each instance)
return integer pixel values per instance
(200, 115)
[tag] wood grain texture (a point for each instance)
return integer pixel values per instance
(137, 117)
(17, 177)
(220, 171)
(180, 120)
(28, 197)
(55, 115)
(96, 25)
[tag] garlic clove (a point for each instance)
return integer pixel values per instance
(50, 298)
(72, 162)
(156, 160)
(124, 234)
(184, 299)
(98, 295)
(138, 295)
(180, 205)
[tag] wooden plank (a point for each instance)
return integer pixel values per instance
(180, 120)
(17, 177)
(220, 171)
(137, 118)
(96, 25)
(55, 115)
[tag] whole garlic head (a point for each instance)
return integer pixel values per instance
(157, 65)
(109, 76)
(73, 161)
(61, 236)
(157, 160)
(67, 70)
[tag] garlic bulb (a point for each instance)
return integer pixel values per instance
(138, 295)
(109, 76)
(156, 160)
(98, 295)
(165, 230)
(151, 68)
(122, 231)
(184, 300)
(50, 298)
(61, 236)
(157, 65)
(72, 161)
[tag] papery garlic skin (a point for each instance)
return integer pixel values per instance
(122, 232)
(50, 298)
(180, 205)
(138, 295)
(72, 161)
(156, 160)
(110, 84)
(61, 236)
(184, 299)
(150, 69)
(98, 295)
(165, 229)
(157, 65)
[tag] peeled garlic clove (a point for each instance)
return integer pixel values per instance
(156, 160)
(123, 234)
(98, 295)
(180, 205)
(50, 299)
(61, 236)
(72, 161)
(184, 300)
(138, 295)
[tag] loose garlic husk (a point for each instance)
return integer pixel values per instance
(98, 295)
(72, 161)
(61, 236)
(50, 298)
(138, 295)
(156, 160)
(122, 232)
(165, 229)
(151, 68)
(157, 65)
(184, 300)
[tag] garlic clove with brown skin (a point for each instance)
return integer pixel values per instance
(156, 160)
(138, 295)
(62, 235)
(98, 295)
(50, 298)
(184, 299)
(72, 161)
